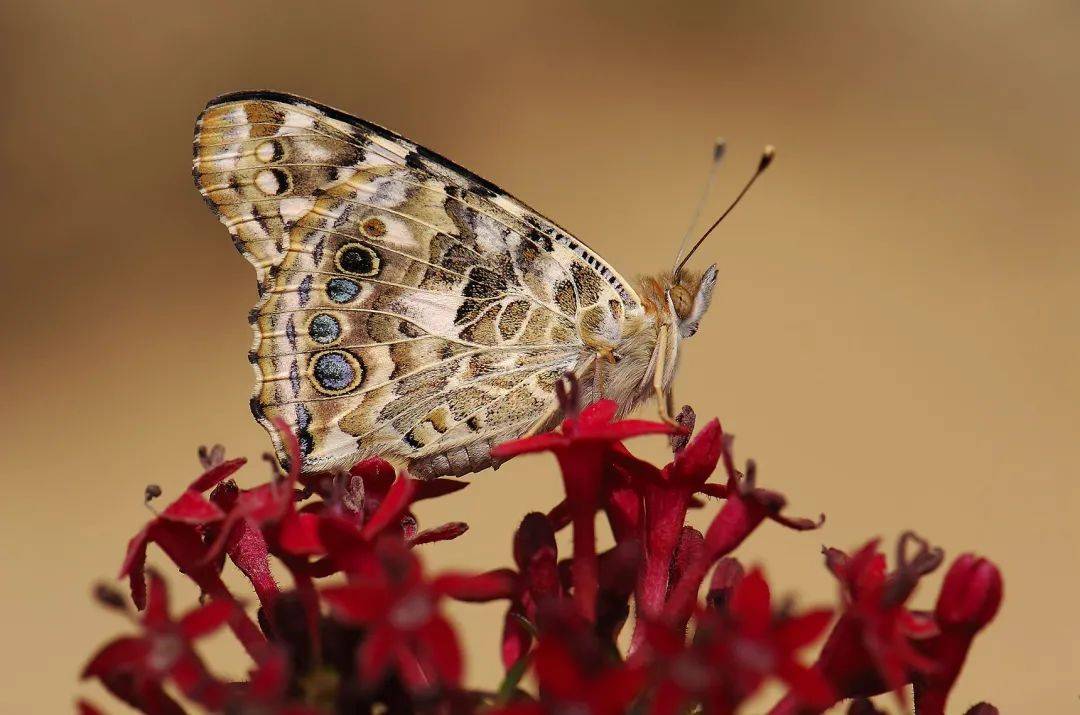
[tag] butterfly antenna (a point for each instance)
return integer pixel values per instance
(718, 155)
(766, 159)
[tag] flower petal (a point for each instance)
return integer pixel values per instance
(120, 654)
(214, 475)
(479, 588)
(192, 679)
(615, 689)
(750, 603)
(271, 677)
(598, 413)
(516, 639)
(556, 670)
(442, 650)
(157, 602)
(617, 431)
(134, 567)
(377, 473)
(191, 507)
(445, 532)
(144, 695)
(392, 507)
(544, 442)
(299, 534)
(88, 708)
(432, 488)
(357, 602)
(697, 461)
(206, 619)
(807, 684)
(794, 633)
(375, 654)
(292, 448)
(917, 626)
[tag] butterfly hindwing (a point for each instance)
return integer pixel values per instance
(408, 308)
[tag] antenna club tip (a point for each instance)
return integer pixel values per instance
(719, 147)
(767, 156)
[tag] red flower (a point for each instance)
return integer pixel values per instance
(535, 582)
(373, 481)
(135, 667)
(619, 569)
(582, 449)
(870, 648)
(667, 494)
(264, 506)
(370, 501)
(378, 638)
(178, 530)
(575, 670)
(377, 477)
(689, 553)
(252, 531)
(969, 599)
(566, 686)
(349, 543)
(745, 508)
(726, 576)
(735, 650)
(266, 692)
(404, 629)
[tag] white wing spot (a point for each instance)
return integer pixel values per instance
(267, 182)
(299, 120)
(265, 152)
(294, 208)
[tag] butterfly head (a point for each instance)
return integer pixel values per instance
(681, 301)
(690, 297)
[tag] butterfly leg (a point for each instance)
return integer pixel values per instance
(598, 375)
(603, 355)
(662, 396)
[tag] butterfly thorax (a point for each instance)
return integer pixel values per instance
(671, 311)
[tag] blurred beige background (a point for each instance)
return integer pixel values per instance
(894, 336)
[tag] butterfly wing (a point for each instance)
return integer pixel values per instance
(408, 308)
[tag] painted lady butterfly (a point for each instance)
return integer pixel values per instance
(411, 309)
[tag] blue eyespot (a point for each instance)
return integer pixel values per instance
(342, 290)
(324, 328)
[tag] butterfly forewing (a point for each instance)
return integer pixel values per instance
(409, 309)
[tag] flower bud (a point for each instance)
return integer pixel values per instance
(725, 578)
(970, 595)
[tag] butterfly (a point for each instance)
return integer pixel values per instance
(410, 309)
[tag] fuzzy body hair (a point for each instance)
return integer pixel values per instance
(679, 307)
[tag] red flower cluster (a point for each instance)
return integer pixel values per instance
(361, 626)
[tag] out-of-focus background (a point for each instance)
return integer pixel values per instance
(894, 336)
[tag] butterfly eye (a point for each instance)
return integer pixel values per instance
(682, 301)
